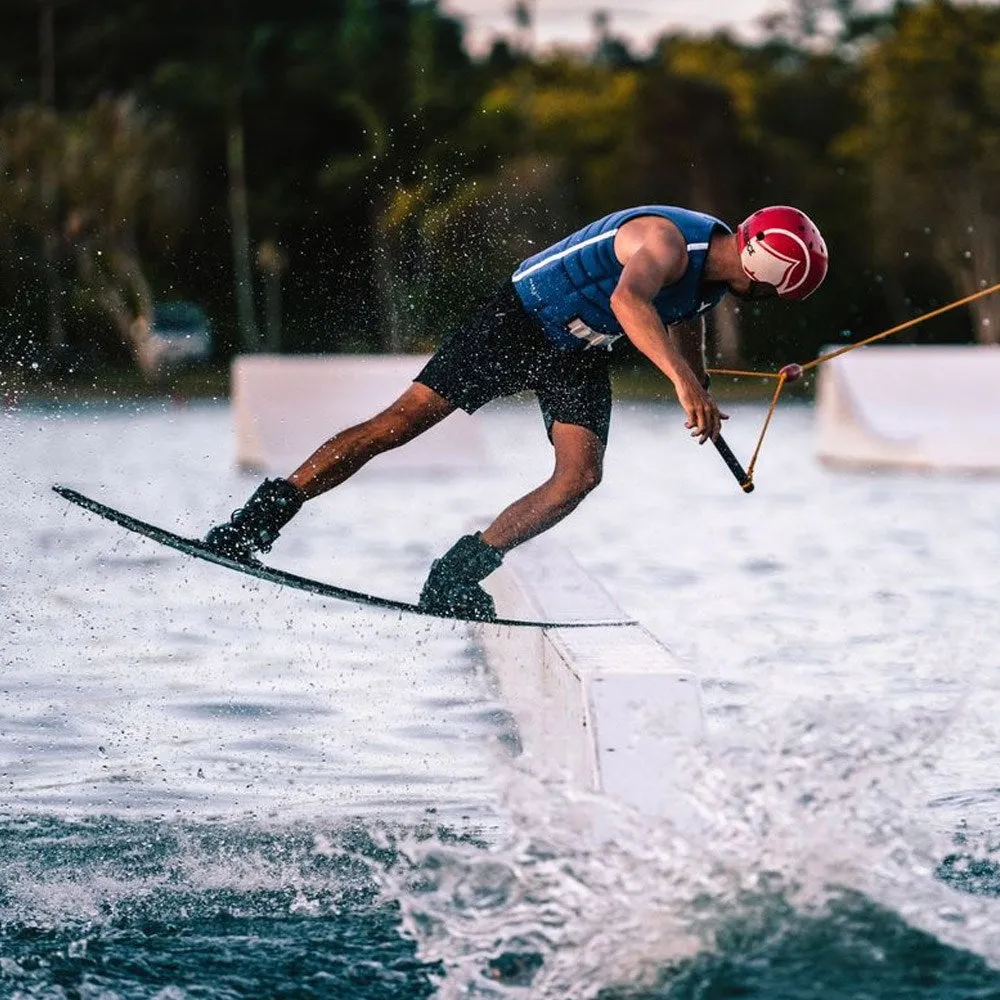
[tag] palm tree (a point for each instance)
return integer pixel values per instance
(116, 173)
(121, 173)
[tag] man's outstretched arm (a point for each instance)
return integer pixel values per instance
(657, 256)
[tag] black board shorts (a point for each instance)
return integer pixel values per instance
(502, 350)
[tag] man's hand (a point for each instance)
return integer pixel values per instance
(704, 418)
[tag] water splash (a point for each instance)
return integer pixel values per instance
(116, 908)
(813, 867)
(818, 833)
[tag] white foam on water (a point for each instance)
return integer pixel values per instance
(604, 896)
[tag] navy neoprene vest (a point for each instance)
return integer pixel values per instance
(568, 287)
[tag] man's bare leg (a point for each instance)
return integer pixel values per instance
(416, 411)
(579, 454)
(255, 526)
(452, 586)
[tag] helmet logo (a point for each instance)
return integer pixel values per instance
(777, 257)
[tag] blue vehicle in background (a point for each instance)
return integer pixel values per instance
(180, 334)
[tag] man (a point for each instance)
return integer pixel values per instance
(648, 273)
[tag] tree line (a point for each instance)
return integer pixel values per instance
(327, 175)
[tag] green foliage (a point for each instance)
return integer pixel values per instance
(401, 178)
(930, 140)
(97, 183)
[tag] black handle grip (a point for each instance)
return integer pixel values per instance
(746, 483)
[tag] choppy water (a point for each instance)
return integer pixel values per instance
(210, 787)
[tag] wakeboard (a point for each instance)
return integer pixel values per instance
(196, 548)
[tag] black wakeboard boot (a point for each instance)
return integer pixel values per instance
(452, 586)
(254, 527)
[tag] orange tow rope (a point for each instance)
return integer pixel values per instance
(791, 372)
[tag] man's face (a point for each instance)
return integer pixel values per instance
(748, 290)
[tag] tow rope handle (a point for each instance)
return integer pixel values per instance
(740, 474)
(792, 372)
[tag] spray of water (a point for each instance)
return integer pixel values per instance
(574, 894)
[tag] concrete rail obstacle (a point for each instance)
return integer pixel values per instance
(917, 408)
(286, 405)
(609, 709)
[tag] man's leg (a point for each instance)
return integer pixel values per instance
(579, 455)
(416, 411)
(255, 526)
(453, 584)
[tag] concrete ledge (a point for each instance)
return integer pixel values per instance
(609, 708)
(930, 409)
(285, 406)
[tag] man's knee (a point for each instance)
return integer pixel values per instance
(577, 482)
(589, 479)
(579, 461)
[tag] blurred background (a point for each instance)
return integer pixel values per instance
(215, 789)
(180, 182)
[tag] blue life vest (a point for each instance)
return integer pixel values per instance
(568, 287)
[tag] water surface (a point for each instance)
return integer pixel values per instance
(214, 787)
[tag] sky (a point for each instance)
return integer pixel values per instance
(639, 21)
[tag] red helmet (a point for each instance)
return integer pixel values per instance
(781, 246)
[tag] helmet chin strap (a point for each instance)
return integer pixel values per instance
(756, 291)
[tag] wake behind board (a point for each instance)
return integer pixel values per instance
(193, 547)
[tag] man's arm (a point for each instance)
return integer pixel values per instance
(689, 339)
(654, 254)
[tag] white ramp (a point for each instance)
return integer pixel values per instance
(926, 408)
(285, 406)
(609, 708)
